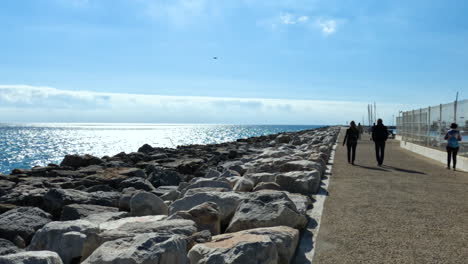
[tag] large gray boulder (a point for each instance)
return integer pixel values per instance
(145, 203)
(160, 176)
(235, 249)
(56, 199)
(207, 183)
(240, 247)
(300, 165)
(80, 161)
(207, 217)
(304, 182)
(151, 248)
(66, 238)
(266, 209)
(132, 226)
(261, 177)
(21, 223)
(243, 185)
(79, 211)
(32, 257)
(137, 183)
(227, 203)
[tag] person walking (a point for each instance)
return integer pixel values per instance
(351, 139)
(379, 136)
(452, 137)
(360, 129)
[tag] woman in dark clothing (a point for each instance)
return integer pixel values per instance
(351, 139)
(452, 137)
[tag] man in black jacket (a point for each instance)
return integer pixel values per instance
(379, 136)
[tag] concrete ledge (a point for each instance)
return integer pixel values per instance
(440, 156)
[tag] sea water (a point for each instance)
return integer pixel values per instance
(28, 145)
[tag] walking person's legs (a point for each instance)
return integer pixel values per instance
(449, 156)
(354, 152)
(454, 156)
(377, 152)
(382, 152)
(348, 146)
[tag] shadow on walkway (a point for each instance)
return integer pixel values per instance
(404, 170)
(370, 168)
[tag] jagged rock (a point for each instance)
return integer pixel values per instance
(5, 186)
(266, 209)
(6, 207)
(137, 183)
(105, 217)
(207, 183)
(146, 148)
(100, 188)
(77, 161)
(170, 196)
(275, 245)
(66, 173)
(25, 195)
(304, 182)
(240, 249)
(56, 199)
(124, 201)
(303, 203)
(261, 177)
(145, 203)
(207, 217)
(243, 185)
(295, 140)
(66, 238)
(160, 176)
(32, 257)
(230, 173)
(21, 223)
(283, 138)
(148, 248)
(212, 174)
(186, 166)
(7, 247)
(226, 201)
(78, 211)
(235, 166)
(204, 190)
(300, 165)
(267, 186)
(132, 226)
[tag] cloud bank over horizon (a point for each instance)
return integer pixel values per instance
(24, 103)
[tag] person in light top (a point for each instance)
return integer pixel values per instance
(453, 137)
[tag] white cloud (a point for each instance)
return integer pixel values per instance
(328, 26)
(290, 19)
(22, 103)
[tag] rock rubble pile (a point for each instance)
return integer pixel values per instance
(238, 202)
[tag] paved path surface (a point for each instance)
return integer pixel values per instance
(411, 210)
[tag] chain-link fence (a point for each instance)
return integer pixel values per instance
(428, 126)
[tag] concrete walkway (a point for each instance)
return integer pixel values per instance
(411, 210)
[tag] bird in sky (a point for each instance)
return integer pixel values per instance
(215, 58)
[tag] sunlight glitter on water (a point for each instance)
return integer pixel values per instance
(27, 145)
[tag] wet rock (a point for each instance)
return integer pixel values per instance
(32, 257)
(78, 211)
(77, 161)
(21, 223)
(144, 203)
(304, 182)
(266, 209)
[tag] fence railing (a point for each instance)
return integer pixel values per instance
(428, 126)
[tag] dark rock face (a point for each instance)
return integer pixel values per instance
(161, 176)
(21, 223)
(146, 149)
(56, 199)
(7, 247)
(78, 211)
(77, 161)
(137, 183)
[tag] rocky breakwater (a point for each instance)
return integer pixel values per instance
(238, 202)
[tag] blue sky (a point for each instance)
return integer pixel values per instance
(318, 60)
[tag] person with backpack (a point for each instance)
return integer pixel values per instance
(379, 136)
(452, 137)
(351, 139)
